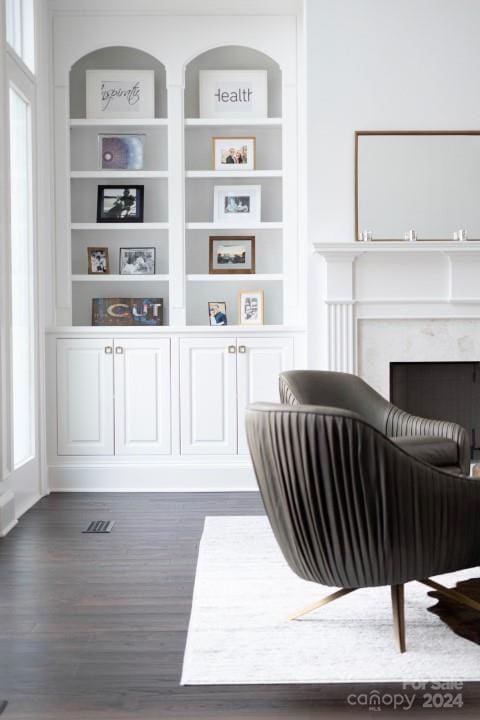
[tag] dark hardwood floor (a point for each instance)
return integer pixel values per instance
(94, 626)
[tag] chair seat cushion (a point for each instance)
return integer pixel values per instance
(440, 452)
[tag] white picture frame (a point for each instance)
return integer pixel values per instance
(233, 93)
(251, 307)
(237, 205)
(117, 94)
(233, 154)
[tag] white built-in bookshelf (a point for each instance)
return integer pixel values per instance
(179, 181)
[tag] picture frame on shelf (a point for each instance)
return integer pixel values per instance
(217, 313)
(250, 307)
(98, 263)
(237, 205)
(118, 94)
(137, 261)
(233, 153)
(233, 93)
(121, 152)
(127, 311)
(231, 254)
(120, 204)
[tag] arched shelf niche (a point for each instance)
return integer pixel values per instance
(232, 57)
(116, 57)
(202, 178)
(87, 174)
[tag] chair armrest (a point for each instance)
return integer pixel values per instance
(402, 424)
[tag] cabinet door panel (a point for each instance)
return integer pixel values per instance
(142, 397)
(260, 361)
(85, 397)
(208, 396)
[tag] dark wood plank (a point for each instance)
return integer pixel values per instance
(94, 626)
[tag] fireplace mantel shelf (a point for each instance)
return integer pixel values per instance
(392, 246)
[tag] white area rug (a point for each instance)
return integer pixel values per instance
(238, 633)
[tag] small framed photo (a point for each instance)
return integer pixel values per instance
(98, 261)
(137, 261)
(250, 304)
(232, 254)
(120, 94)
(217, 312)
(120, 203)
(120, 152)
(233, 93)
(231, 153)
(237, 205)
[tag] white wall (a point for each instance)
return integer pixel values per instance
(378, 64)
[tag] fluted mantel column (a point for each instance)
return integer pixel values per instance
(339, 334)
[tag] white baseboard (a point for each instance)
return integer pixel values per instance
(8, 516)
(152, 478)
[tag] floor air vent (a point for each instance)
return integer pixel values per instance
(99, 526)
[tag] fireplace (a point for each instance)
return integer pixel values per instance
(441, 391)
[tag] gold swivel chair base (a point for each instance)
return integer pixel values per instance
(398, 606)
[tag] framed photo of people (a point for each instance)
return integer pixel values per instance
(137, 261)
(217, 313)
(233, 153)
(98, 261)
(237, 205)
(120, 204)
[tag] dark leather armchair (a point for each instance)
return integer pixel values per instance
(440, 443)
(350, 508)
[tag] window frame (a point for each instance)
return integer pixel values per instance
(29, 99)
(21, 22)
(19, 77)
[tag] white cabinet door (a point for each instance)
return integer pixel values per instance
(260, 361)
(142, 397)
(85, 397)
(208, 402)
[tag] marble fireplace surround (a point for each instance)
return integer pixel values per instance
(399, 302)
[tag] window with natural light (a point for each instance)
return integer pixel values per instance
(22, 280)
(20, 33)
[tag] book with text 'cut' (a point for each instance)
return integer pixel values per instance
(127, 311)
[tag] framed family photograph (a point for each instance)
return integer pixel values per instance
(233, 93)
(127, 311)
(231, 254)
(121, 152)
(98, 261)
(116, 94)
(231, 153)
(137, 261)
(120, 203)
(217, 312)
(237, 205)
(251, 307)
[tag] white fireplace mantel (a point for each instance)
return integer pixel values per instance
(394, 281)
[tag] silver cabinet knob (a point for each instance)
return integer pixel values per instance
(119, 350)
(232, 349)
(108, 349)
(242, 348)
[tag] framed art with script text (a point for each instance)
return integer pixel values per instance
(116, 94)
